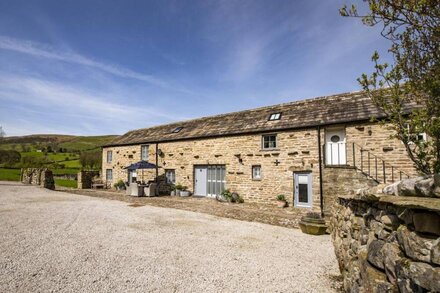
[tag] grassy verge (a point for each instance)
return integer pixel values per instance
(66, 183)
(9, 174)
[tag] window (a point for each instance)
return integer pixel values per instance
(216, 179)
(144, 152)
(415, 136)
(256, 172)
(109, 175)
(275, 116)
(335, 138)
(171, 176)
(269, 141)
(177, 129)
(109, 156)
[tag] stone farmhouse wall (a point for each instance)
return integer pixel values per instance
(297, 152)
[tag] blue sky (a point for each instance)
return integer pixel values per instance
(106, 67)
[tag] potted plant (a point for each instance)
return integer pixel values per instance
(312, 223)
(173, 190)
(184, 191)
(120, 185)
(178, 189)
(228, 196)
(281, 201)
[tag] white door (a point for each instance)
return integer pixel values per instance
(335, 152)
(201, 175)
(303, 190)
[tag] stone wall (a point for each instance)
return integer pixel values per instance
(338, 180)
(388, 243)
(375, 138)
(38, 176)
(297, 152)
(85, 178)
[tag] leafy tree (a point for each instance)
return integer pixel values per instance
(413, 29)
(90, 160)
(9, 157)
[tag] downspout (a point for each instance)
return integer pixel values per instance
(157, 169)
(321, 191)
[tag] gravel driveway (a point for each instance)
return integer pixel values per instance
(56, 241)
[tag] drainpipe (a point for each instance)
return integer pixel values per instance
(321, 191)
(157, 169)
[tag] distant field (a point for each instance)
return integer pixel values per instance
(30, 147)
(66, 183)
(82, 143)
(10, 174)
(65, 171)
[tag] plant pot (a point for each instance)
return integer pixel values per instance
(185, 193)
(313, 226)
(173, 193)
(282, 203)
(178, 192)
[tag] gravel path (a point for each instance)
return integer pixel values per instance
(53, 241)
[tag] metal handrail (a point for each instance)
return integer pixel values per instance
(378, 162)
(370, 165)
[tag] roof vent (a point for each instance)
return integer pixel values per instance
(275, 116)
(177, 129)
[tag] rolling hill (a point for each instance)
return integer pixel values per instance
(69, 142)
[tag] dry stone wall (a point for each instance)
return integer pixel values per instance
(389, 243)
(38, 176)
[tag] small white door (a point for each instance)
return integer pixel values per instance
(201, 176)
(303, 190)
(335, 149)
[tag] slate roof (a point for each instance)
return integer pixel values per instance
(341, 108)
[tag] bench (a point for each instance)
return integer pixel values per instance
(98, 185)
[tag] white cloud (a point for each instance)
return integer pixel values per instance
(79, 110)
(45, 51)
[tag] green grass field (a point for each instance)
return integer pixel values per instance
(53, 161)
(66, 183)
(10, 174)
(83, 143)
(65, 171)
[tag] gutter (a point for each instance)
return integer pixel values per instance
(321, 189)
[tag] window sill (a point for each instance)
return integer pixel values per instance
(269, 150)
(256, 179)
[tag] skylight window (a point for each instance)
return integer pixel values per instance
(275, 116)
(177, 129)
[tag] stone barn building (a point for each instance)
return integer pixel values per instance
(308, 150)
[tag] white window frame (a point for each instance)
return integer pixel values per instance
(109, 156)
(269, 148)
(309, 203)
(107, 172)
(170, 175)
(417, 135)
(275, 116)
(256, 175)
(147, 154)
(215, 185)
